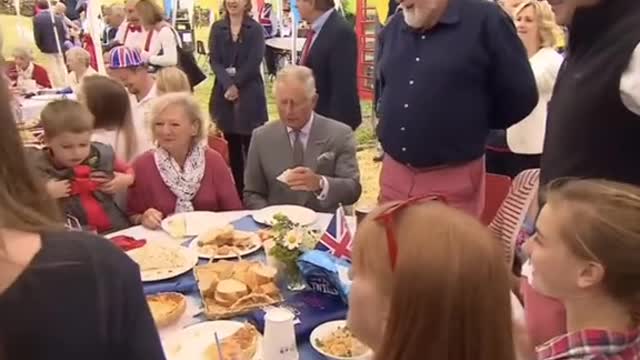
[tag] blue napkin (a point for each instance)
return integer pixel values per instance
(184, 283)
(311, 309)
(246, 223)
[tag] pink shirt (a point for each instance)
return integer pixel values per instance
(217, 191)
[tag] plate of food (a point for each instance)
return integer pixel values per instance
(232, 288)
(225, 243)
(161, 261)
(197, 342)
(192, 223)
(166, 308)
(297, 214)
(335, 341)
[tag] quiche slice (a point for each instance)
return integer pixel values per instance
(241, 345)
(166, 308)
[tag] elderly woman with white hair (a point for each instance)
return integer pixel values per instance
(79, 62)
(26, 74)
(181, 174)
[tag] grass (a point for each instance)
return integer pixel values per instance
(365, 135)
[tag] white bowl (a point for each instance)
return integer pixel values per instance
(324, 330)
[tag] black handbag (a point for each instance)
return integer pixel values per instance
(187, 63)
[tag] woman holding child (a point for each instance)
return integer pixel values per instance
(181, 174)
(83, 175)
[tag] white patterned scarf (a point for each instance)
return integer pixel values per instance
(183, 183)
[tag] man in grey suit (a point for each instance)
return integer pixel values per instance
(303, 159)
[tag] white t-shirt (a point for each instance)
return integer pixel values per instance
(630, 83)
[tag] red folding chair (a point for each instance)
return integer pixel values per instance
(497, 188)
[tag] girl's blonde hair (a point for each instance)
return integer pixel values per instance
(62, 116)
(548, 29)
(603, 225)
(449, 286)
(191, 108)
(171, 79)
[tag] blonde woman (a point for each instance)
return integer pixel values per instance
(585, 253)
(161, 45)
(429, 282)
(171, 79)
(79, 62)
(182, 174)
(537, 29)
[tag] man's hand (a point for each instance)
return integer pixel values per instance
(303, 179)
(232, 93)
(119, 183)
(58, 189)
(151, 219)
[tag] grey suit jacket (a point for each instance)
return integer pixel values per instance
(330, 152)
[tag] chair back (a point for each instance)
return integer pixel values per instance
(497, 188)
(219, 144)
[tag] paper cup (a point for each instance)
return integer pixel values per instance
(279, 335)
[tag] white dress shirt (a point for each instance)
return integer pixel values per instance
(304, 139)
(135, 40)
(527, 136)
(141, 121)
(630, 83)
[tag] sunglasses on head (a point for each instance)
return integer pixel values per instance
(387, 219)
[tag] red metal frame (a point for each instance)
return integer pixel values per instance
(366, 21)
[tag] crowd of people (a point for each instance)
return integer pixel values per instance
(465, 87)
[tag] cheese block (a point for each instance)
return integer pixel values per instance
(166, 308)
(231, 290)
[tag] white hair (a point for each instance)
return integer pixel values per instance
(302, 74)
(23, 52)
(80, 54)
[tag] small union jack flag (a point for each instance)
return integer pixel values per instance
(337, 238)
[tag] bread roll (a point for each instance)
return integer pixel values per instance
(265, 274)
(231, 290)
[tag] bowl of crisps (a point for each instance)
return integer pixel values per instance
(335, 341)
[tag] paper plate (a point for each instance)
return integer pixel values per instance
(257, 245)
(298, 214)
(191, 259)
(323, 331)
(192, 341)
(196, 222)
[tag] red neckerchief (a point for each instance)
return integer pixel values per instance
(84, 188)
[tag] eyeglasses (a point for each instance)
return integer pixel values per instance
(387, 219)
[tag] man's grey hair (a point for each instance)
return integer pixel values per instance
(301, 74)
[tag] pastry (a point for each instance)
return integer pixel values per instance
(166, 308)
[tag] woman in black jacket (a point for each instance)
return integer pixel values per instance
(238, 103)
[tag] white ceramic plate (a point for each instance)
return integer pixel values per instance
(192, 341)
(297, 214)
(47, 97)
(197, 222)
(323, 331)
(191, 259)
(255, 239)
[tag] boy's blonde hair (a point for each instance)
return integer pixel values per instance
(171, 79)
(62, 116)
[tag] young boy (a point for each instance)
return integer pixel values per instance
(83, 175)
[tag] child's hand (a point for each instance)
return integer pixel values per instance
(119, 183)
(151, 219)
(58, 189)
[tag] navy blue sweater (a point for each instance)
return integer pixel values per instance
(444, 88)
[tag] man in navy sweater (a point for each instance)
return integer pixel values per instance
(450, 70)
